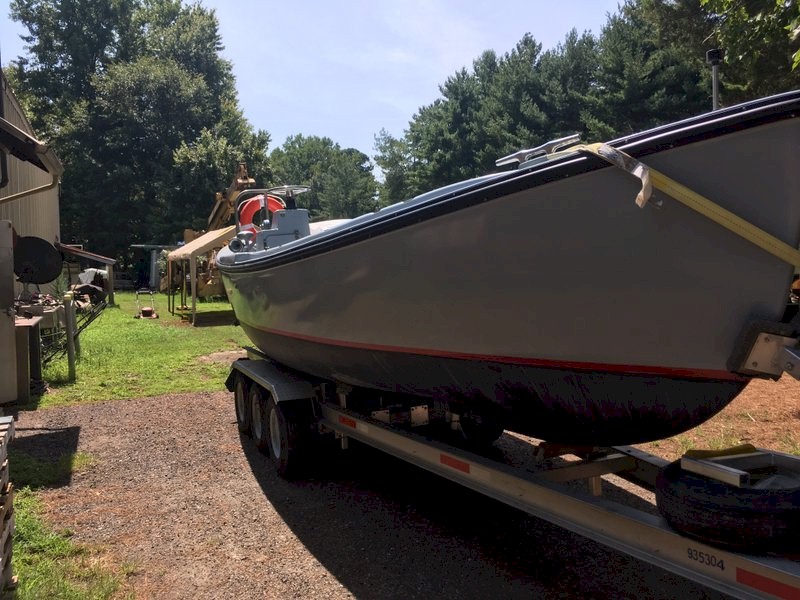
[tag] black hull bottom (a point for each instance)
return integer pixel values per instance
(608, 409)
(557, 405)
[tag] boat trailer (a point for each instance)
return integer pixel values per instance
(272, 404)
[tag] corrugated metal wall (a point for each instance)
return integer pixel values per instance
(36, 214)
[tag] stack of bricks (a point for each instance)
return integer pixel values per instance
(7, 578)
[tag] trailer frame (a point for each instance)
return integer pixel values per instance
(542, 492)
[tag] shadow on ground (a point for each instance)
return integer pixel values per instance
(213, 318)
(42, 457)
(386, 529)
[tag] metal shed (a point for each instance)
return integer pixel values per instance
(29, 176)
(31, 172)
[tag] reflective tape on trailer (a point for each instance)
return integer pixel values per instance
(455, 463)
(347, 421)
(639, 534)
(765, 584)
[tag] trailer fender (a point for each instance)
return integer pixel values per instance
(282, 385)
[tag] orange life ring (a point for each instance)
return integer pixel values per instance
(250, 208)
(275, 204)
(248, 211)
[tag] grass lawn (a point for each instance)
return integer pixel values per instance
(47, 563)
(125, 357)
(121, 357)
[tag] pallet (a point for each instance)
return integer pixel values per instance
(4, 475)
(9, 525)
(8, 581)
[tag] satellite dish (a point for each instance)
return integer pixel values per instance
(36, 260)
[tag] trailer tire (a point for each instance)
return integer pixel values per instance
(284, 425)
(259, 428)
(240, 402)
(724, 515)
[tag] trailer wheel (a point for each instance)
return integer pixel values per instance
(240, 401)
(721, 514)
(258, 416)
(284, 437)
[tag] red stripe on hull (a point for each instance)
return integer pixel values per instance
(518, 360)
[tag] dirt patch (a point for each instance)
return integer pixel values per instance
(223, 357)
(766, 414)
(201, 514)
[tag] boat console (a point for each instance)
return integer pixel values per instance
(264, 228)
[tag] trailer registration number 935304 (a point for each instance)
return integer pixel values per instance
(704, 558)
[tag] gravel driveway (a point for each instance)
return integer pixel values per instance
(201, 514)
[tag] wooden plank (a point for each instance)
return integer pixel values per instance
(8, 552)
(8, 581)
(6, 490)
(6, 435)
(6, 503)
(7, 419)
(4, 475)
(6, 432)
(6, 538)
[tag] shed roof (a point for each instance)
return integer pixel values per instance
(208, 241)
(81, 253)
(26, 147)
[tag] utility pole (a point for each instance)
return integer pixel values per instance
(714, 58)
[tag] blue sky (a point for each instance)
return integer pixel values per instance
(348, 68)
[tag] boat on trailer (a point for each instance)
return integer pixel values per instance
(595, 294)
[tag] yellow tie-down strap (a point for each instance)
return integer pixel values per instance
(651, 178)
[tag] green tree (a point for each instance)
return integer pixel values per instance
(761, 41)
(69, 41)
(483, 114)
(510, 115)
(445, 134)
(135, 96)
(341, 181)
(188, 35)
(207, 163)
(349, 188)
(642, 83)
(393, 158)
(647, 67)
(302, 161)
(567, 77)
(144, 110)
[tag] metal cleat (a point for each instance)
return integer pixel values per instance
(543, 150)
